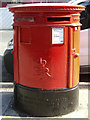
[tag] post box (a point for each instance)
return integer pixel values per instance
(46, 58)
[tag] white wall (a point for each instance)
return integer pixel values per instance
(6, 18)
(84, 47)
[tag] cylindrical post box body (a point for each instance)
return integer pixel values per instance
(46, 58)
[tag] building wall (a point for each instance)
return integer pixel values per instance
(6, 18)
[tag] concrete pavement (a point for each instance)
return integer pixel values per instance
(9, 111)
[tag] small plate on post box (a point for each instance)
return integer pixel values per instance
(57, 36)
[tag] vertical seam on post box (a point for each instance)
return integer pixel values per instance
(70, 58)
(66, 40)
(18, 52)
(17, 56)
(72, 55)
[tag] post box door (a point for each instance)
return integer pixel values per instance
(37, 48)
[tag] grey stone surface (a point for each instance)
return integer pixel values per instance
(6, 98)
(6, 94)
(0, 104)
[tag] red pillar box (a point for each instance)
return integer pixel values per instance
(46, 58)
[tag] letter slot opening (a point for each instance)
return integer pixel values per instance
(58, 19)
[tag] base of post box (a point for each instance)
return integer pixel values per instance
(46, 102)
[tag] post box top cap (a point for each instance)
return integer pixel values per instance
(46, 7)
